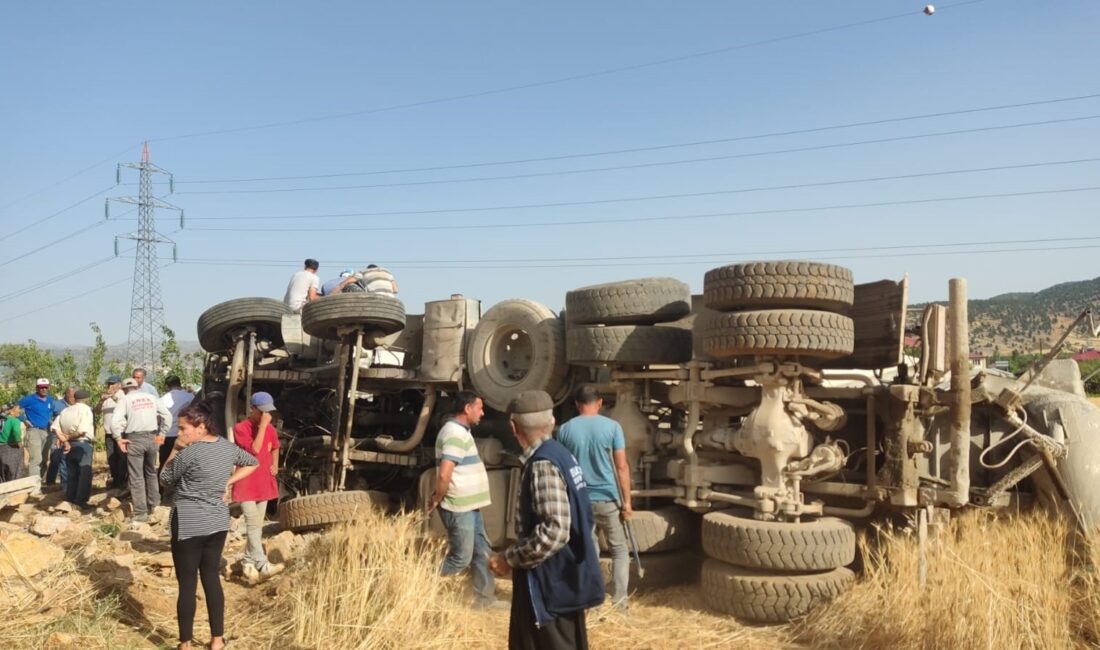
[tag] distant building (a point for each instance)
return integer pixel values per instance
(978, 360)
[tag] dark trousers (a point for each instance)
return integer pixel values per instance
(198, 558)
(56, 464)
(565, 632)
(11, 462)
(79, 486)
(116, 464)
(165, 450)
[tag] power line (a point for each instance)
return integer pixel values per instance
(663, 163)
(678, 145)
(67, 178)
(38, 222)
(85, 292)
(60, 276)
(75, 233)
(633, 199)
(805, 251)
(560, 80)
(661, 261)
(677, 217)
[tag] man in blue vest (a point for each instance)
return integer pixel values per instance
(554, 562)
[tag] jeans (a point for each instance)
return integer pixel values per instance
(56, 465)
(194, 558)
(254, 512)
(469, 547)
(608, 521)
(141, 458)
(79, 461)
(36, 441)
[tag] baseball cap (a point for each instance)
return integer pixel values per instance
(129, 382)
(114, 379)
(346, 272)
(263, 401)
(42, 381)
(81, 394)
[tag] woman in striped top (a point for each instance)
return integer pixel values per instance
(202, 468)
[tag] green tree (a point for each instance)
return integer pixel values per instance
(97, 358)
(20, 365)
(188, 367)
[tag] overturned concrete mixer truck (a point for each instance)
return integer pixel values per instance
(764, 419)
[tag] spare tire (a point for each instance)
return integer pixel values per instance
(633, 302)
(319, 510)
(628, 344)
(786, 332)
(325, 316)
(818, 545)
(670, 528)
(517, 345)
(766, 285)
(760, 597)
(217, 324)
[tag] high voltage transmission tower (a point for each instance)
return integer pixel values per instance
(146, 308)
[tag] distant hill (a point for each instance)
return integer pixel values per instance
(81, 352)
(1024, 322)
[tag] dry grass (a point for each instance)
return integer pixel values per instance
(1014, 581)
(1007, 581)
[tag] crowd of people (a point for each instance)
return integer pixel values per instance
(157, 446)
(573, 487)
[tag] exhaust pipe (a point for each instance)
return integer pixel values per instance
(958, 336)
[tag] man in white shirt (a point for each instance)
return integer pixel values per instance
(138, 425)
(116, 458)
(304, 286)
(75, 431)
(175, 400)
(138, 375)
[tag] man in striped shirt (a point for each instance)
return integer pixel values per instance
(461, 490)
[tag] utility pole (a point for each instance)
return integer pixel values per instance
(146, 307)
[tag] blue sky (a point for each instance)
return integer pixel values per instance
(85, 81)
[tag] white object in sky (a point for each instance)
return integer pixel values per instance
(929, 10)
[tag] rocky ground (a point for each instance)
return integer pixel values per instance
(62, 568)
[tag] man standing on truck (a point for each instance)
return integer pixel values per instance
(554, 563)
(594, 440)
(377, 279)
(304, 286)
(461, 490)
(337, 285)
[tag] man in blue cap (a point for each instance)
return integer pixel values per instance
(337, 285)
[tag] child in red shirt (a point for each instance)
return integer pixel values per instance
(258, 488)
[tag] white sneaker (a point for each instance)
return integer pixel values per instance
(271, 569)
(251, 574)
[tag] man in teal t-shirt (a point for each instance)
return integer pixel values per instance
(594, 440)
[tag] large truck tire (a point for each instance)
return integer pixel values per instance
(517, 345)
(632, 302)
(670, 528)
(661, 570)
(818, 545)
(768, 285)
(639, 344)
(786, 332)
(758, 597)
(325, 316)
(217, 324)
(315, 511)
